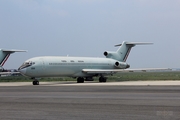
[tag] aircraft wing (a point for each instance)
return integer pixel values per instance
(8, 73)
(111, 71)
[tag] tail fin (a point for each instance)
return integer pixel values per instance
(4, 55)
(122, 53)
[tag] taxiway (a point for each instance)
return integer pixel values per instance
(67, 100)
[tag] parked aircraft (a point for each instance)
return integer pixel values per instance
(4, 55)
(82, 68)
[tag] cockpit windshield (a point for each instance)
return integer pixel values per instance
(26, 64)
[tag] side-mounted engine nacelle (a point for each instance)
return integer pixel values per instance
(109, 54)
(113, 55)
(121, 65)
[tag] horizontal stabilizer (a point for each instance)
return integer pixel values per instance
(135, 43)
(13, 50)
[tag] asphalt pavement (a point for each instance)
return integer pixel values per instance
(90, 102)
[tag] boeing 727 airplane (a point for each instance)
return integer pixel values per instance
(4, 55)
(82, 68)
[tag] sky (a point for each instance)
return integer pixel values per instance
(89, 27)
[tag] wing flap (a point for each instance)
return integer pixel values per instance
(111, 71)
(9, 73)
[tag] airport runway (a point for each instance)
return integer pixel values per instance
(89, 102)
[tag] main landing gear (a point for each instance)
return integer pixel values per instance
(35, 81)
(80, 80)
(101, 79)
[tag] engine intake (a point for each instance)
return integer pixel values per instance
(105, 53)
(116, 63)
(113, 55)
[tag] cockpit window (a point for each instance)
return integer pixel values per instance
(26, 64)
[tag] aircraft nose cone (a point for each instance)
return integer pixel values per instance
(22, 71)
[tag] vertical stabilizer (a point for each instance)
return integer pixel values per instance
(4, 55)
(122, 53)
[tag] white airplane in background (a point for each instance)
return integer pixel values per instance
(4, 55)
(82, 68)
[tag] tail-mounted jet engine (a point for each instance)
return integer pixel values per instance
(113, 55)
(109, 54)
(118, 64)
(121, 65)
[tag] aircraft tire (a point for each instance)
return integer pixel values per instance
(35, 82)
(80, 80)
(102, 79)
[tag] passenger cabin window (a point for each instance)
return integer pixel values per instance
(80, 61)
(33, 68)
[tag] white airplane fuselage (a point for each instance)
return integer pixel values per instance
(80, 67)
(56, 66)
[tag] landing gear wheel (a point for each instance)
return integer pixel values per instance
(102, 79)
(80, 80)
(35, 82)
